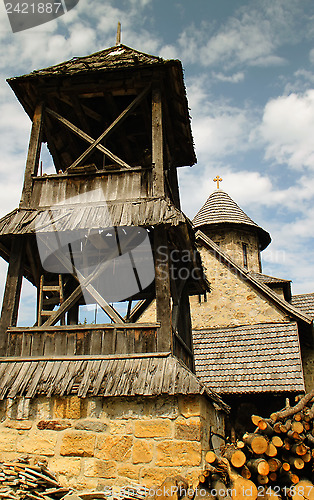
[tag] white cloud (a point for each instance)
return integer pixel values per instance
(234, 78)
(288, 130)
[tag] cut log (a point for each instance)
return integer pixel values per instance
(256, 419)
(304, 490)
(297, 427)
(258, 466)
(274, 464)
(262, 479)
(236, 457)
(271, 450)
(264, 426)
(241, 488)
(245, 472)
(277, 441)
(296, 462)
(240, 445)
(288, 412)
(299, 449)
(307, 457)
(257, 443)
(272, 476)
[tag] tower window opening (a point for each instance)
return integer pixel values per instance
(244, 249)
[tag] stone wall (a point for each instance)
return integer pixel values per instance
(231, 240)
(95, 442)
(232, 301)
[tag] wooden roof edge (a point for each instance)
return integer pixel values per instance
(246, 325)
(264, 289)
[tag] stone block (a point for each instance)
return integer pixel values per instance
(114, 448)
(142, 451)
(76, 443)
(68, 467)
(120, 427)
(154, 476)
(94, 467)
(129, 471)
(38, 443)
(178, 453)
(153, 428)
(189, 429)
(190, 406)
(71, 407)
(24, 425)
(91, 425)
(53, 425)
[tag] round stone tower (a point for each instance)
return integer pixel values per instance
(222, 220)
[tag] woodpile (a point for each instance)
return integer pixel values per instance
(275, 462)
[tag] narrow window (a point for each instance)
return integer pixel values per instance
(244, 248)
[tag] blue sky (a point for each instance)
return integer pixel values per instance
(249, 72)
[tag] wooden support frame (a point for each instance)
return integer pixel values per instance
(33, 155)
(163, 293)
(157, 141)
(139, 309)
(12, 292)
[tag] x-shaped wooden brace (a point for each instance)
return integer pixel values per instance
(95, 143)
(84, 284)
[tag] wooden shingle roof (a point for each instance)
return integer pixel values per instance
(219, 208)
(258, 358)
(145, 212)
(105, 376)
(305, 302)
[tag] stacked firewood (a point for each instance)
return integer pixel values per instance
(276, 460)
(19, 480)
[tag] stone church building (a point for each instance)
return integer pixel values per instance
(252, 338)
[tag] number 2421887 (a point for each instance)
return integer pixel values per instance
(32, 8)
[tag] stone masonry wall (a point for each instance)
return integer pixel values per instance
(231, 240)
(96, 442)
(232, 301)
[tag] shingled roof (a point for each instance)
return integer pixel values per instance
(273, 282)
(221, 209)
(258, 358)
(106, 376)
(305, 302)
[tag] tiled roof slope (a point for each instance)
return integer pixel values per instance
(264, 278)
(249, 359)
(221, 209)
(106, 376)
(305, 302)
(116, 57)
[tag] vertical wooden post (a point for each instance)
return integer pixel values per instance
(157, 142)
(12, 292)
(33, 155)
(162, 285)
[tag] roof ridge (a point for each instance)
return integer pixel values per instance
(264, 288)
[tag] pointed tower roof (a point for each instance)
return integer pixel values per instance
(221, 209)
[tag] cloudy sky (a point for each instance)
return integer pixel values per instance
(249, 72)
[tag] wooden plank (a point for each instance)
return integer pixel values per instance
(33, 387)
(60, 343)
(84, 357)
(23, 376)
(96, 342)
(112, 127)
(88, 139)
(49, 347)
(162, 287)
(27, 344)
(12, 291)
(38, 344)
(157, 142)
(33, 154)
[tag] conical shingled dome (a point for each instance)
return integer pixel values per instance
(221, 209)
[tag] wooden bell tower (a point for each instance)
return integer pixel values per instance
(117, 126)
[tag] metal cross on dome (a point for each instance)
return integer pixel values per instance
(217, 179)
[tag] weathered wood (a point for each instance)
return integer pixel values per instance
(157, 141)
(33, 154)
(162, 287)
(12, 292)
(281, 415)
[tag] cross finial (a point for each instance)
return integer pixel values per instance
(217, 179)
(118, 39)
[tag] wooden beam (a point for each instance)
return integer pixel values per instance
(33, 154)
(111, 127)
(162, 286)
(87, 138)
(12, 292)
(157, 142)
(139, 309)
